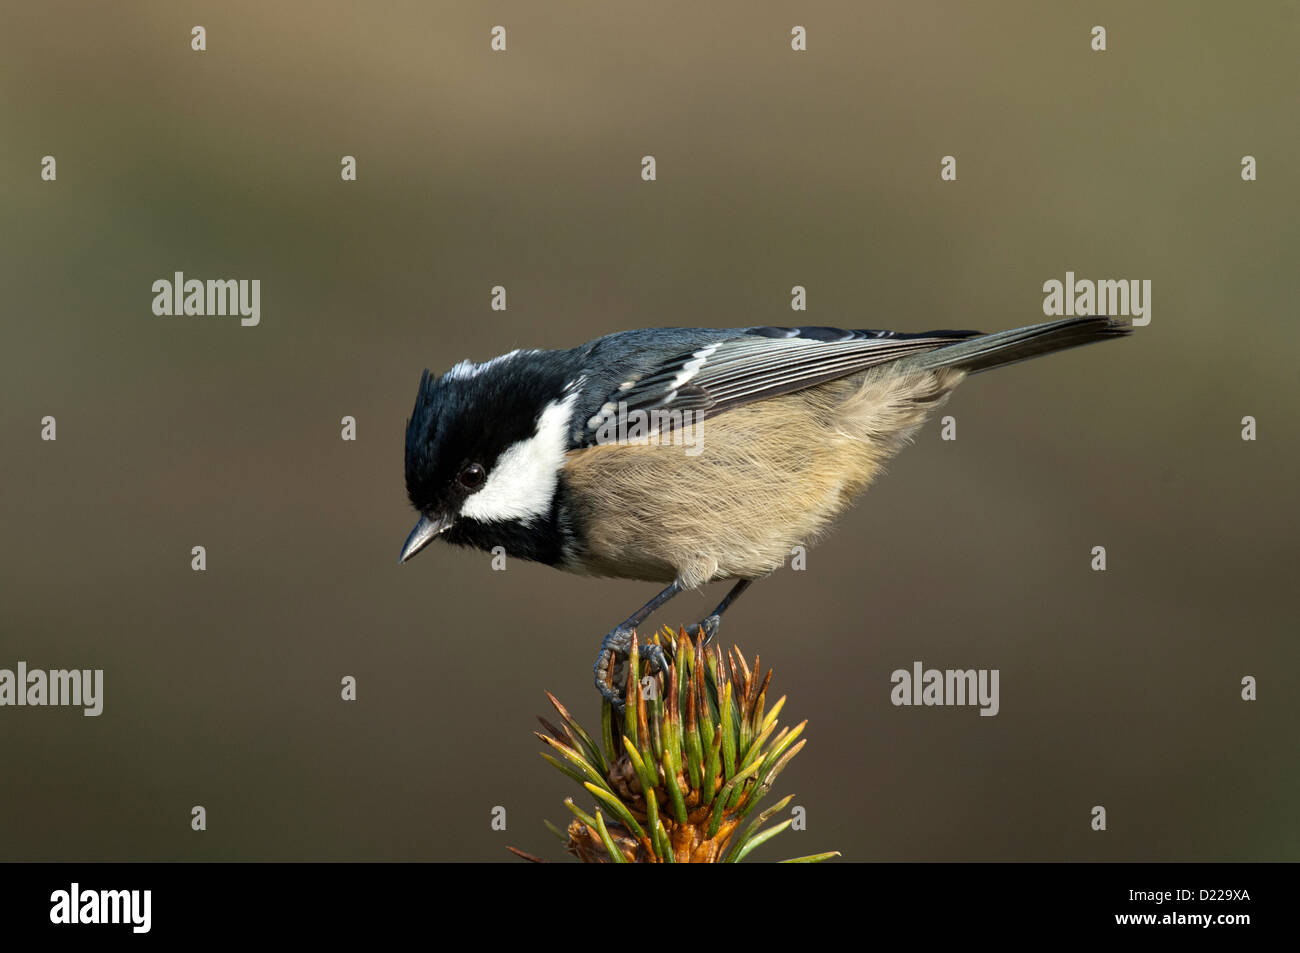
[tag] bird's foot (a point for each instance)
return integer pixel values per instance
(707, 627)
(611, 673)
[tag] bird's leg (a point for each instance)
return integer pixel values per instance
(619, 642)
(709, 624)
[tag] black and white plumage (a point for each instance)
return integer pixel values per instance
(758, 363)
(792, 423)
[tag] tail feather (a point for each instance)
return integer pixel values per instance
(1019, 344)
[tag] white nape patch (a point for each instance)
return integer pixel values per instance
(522, 482)
(467, 369)
(692, 367)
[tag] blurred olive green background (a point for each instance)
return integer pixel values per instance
(523, 169)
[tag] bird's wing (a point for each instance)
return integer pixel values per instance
(757, 363)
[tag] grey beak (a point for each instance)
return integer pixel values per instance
(425, 532)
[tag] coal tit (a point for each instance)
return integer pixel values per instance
(682, 455)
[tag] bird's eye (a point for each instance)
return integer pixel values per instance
(471, 478)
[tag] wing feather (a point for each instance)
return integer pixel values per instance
(758, 363)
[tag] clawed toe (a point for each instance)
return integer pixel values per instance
(611, 672)
(706, 627)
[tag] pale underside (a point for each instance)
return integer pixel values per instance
(770, 476)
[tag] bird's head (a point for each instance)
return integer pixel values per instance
(485, 445)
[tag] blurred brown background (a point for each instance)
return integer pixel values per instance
(523, 169)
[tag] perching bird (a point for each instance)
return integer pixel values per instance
(683, 455)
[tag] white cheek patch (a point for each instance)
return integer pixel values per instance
(522, 483)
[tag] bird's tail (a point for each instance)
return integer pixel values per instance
(1019, 344)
